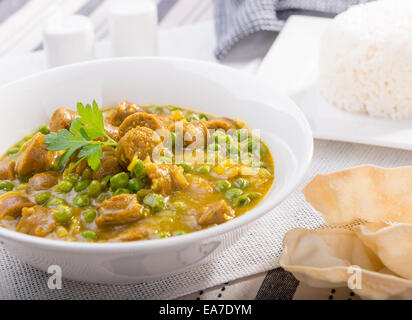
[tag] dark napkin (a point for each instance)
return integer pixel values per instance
(235, 19)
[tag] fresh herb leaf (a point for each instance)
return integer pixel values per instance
(76, 126)
(64, 139)
(65, 157)
(93, 153)
(84, 133)
(92, 118)
(81, 137)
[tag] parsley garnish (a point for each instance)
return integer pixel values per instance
(84, 131)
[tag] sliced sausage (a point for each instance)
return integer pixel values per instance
(37, 221)
(189, 218)
(194, 133)
(118, 210)
(81, 166)
(140, 141)
(109, 165)
(198, 187)
(112, 131)
(62, 119)
(122, 111)
(11, 204)
(224, 123)
(141, 119)
(131, 235)
(216, 213)
(7, 170)
(42, 181)
(166, 178)
(35, 157)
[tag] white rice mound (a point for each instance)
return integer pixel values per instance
(366, 60)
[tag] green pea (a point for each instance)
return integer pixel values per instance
(54, 202)
(173, 108)
(20, 143)
(259, 164)
(187, 167)
(223, 185)
(242, 201)
(233, 193)
(73, 178)
(87, 174)
(161, 235)
(229, 139)
(44, 129)
(241, 183)
(263, 150)
(13, 150)
(89, 235)
(62, 214)
(179, 233)
(155, 201)
(68, 169)
(203, 170)
(95, 188)
(63, 186)
(192, 117)
(81, 201)
(28, 137)
(134, 185)
(213, 147)
(42, 197)
(143, 193)
(253, 195)
(105, 181)
(156, 110)
(89, 215)
(6, 185)
(121, 191)
(202, 116)
(120, 180)
(81, 185)
(139, 170)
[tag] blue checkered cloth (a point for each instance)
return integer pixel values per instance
(235, 19)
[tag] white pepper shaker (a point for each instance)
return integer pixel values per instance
(68, 39)
(133, 27)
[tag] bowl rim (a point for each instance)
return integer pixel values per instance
(248, 217)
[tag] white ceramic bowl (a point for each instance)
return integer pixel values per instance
(28, 103)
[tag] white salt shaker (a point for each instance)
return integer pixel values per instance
(133, 27)
(68, 39)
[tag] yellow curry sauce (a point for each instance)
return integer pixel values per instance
(167, 171)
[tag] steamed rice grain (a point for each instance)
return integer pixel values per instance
(366, 60)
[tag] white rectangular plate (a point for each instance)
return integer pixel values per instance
(291, 67)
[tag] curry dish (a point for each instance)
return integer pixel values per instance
(131, 172)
